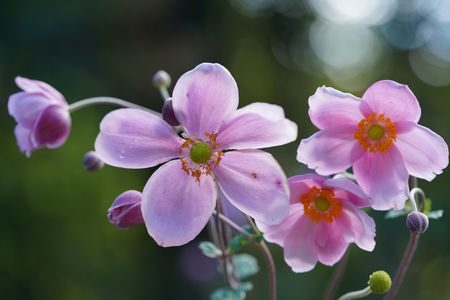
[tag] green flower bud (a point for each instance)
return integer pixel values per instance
(379, 282)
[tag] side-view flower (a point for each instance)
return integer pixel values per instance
(378, 136)
(325, 217)
(181, 195)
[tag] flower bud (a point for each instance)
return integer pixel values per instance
(379, 282)
(161, 79)
(92, 162)
(417, 222)
(126, 210)
(168, 114)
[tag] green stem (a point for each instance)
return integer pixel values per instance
(356, 294)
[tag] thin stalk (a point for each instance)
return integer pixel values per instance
(336, 277)
(107, 100)
(232, 224)
(356, 294)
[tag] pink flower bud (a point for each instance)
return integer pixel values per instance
(417, 222)
(126, 210)
(92, 162)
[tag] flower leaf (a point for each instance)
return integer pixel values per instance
(245, 265)
(228, 294)
(209, 249)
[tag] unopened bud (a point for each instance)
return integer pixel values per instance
(126, 210)
(417, 222)
(379, 282)
(168, 113)
(92, 162)
(161, 79)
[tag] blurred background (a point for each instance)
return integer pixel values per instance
(55, 240)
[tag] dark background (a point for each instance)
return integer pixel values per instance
(55, 240)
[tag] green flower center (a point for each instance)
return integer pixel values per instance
(321, 203)
(200, 153)
(375, 132)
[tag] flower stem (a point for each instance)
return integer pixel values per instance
(356, 294)
(336, 277)
(269, 260)
(107, 100)
(404, 264)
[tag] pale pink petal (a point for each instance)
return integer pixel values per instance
(26, 107)
(357, 227)
(329, 108)
(254, 182)
(36, 86)
(175, 207)
(301, 184)
(300, 250)
(330, 151)
(24, 140)
(277, 233)
(330, 243)
(384, 178)
(231, 211)
(204, 97)
(392, 99)
(346, 189)
(133, 138)
(258, 125)
(424, 152)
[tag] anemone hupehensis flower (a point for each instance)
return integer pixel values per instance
(378, 136)
(324, 218)
(180, 196)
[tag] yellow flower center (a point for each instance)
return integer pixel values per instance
(376, 133)
(320, 204)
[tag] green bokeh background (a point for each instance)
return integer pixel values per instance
(55, 240)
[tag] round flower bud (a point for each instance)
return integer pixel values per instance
(417, 222)
(92, 162)
(161, 79)
(125, 211)
(168, 114)
(379, 282)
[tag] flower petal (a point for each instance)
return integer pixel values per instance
(36, 86)
(204, 97)
(384, 178)
(300, 250)
(254, 182)
(231, 211)
(347, 189)
(257, 125)
(301, 184)
(330, 151)
(133, 138)
(394, 100)
(330, 243)
(23, 139)
(424, 152)
(52, 127)
(26, 107)
(357, 227)
(175, 207)
(329, 108)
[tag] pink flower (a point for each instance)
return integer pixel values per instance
(126, 210)
(324, 218)
(378, 136)
(181, 195)
(41, 114)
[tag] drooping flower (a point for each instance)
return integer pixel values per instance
(125, 211)
(180, 197)
(378, 136)
(324, 218)
(42, 116)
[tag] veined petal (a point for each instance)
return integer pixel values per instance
(175, 207)
(392, 99)
(301, 184)
(330, 108)
(36, 86)
(258, 125)
(26, 107)
(424, 152)
(254, 182)
(133, 138)
(330, 151)
(204, 97)
(330, 243)
(346, 189)
(384, 178)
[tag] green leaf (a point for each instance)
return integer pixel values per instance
(209, 249)
(392, 214)
(245, 265)
(436, 214)
(237, 242)
(228, 294)
(245, 286)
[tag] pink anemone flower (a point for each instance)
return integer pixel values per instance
(180, 196)
(42, 116)
(324, 218)
(378, 136)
